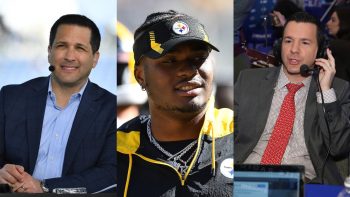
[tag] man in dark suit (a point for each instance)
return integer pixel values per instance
(259, 102)
(59, 131)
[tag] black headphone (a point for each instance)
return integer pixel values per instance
(321, 52)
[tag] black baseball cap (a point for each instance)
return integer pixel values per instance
(156, 40)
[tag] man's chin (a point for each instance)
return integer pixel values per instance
(187, 108)
(293, 69)
(192, 108)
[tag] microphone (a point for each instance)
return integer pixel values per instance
(51, 68)
(5, 188)
(306, 71)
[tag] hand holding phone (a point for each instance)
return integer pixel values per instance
(327, 70)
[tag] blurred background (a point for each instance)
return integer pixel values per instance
(24, 37)
(257, 28)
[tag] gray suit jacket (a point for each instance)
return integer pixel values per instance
(253, 96)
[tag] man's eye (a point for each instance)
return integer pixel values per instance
(169, 61)
(81, 49)
(200, 59)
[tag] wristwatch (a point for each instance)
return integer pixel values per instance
(43, 187)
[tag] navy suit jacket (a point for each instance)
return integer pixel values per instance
(254, 91)
(90, 156)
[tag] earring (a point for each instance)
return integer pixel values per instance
(143, 88)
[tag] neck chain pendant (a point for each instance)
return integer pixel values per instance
(173, 159)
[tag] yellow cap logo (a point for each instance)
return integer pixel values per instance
(154, 45)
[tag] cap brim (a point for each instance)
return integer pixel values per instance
(167, 46)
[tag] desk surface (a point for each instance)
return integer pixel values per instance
(311, 190)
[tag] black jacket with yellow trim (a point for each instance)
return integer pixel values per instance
(141, 172)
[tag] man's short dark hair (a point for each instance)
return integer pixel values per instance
(304, 17)
(80, 20)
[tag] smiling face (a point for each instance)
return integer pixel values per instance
(180, 81)
(71, 55)
(299, 46)
(333, 24)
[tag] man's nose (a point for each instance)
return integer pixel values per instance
(187, 69)
(295, 47)
(70, 54)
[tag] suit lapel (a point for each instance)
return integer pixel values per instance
(310, 110)
(265, 94)
(36, 102)
(84, 117)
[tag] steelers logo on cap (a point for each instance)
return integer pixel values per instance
(181, 28)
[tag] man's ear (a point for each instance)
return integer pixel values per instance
(49, 54)
(139, 74)
(95, 58)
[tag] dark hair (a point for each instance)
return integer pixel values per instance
(304, 17)
(287, 8)
(80, 20)
(344, 22)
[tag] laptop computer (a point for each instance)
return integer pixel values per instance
(253, 180)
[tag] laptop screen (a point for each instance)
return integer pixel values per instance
(252, 180)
